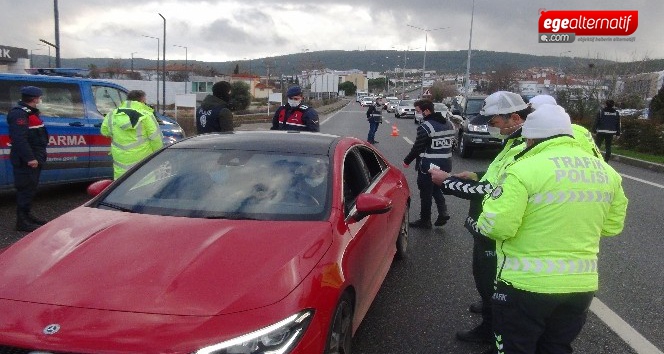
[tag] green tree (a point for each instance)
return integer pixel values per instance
(656, 108)
(377, 85)
(441, 90)
(348, 87)
(240, 96)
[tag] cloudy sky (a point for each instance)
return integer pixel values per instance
(234, 30)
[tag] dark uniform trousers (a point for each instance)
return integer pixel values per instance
(525, 322)
(607, 138)
(26, 180)
(428, 190)
(484, 273)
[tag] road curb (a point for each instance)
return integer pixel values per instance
(652, 166)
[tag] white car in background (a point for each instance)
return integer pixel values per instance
(391, 104)
(405, 108)
(367, 101)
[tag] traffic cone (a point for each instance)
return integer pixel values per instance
(395, 131)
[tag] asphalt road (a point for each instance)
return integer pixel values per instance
(424, 299)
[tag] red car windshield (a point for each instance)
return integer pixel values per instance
(228, 184)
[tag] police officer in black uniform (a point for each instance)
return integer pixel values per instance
(214, 113)
(294, 115)
(29, 139)
(606, 126)
(375, 118)
(432, 149)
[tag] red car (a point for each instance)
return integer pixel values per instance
(249, 242)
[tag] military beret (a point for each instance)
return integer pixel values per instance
(294, 91)
(31, 91)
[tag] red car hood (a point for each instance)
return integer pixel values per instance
(110, 260)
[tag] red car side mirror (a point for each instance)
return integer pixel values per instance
(98, 187)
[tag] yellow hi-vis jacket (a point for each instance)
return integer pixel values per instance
(547, 214)
(134, 134)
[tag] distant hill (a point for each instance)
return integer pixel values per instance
(380, 60)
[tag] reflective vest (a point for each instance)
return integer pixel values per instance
(547, 213)
(585, 139)
(134, 134)
(439, 151)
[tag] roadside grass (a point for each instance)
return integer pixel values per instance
(638, 155)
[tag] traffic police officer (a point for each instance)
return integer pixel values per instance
(432, 149)
(29, 139)
(134, 132)
(547, 213)
(581, 134)
(294, 115)
(504, 112)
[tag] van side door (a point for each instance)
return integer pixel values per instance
(103, 99)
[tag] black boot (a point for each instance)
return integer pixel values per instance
(23, 222)
(441, 220)
(421, 224)
(479, 334)
(476, 307)
(35, 220)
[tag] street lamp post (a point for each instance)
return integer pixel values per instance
(560, 57)
(132, 61)
(470, 41)
(31, 50)
(424, 62)
(157, 70)
(186, 81)
(56, 14)
(49, 52)
(163, 69)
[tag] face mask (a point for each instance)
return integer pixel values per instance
(314, 181)
(294, 103)
(495, 133)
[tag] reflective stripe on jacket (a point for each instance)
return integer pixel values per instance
(134, 134)
(547, 213)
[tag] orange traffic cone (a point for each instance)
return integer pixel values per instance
(395, 131)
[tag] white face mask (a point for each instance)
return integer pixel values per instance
(294, 103)
(495, 133)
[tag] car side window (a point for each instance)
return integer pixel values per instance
(355, 179)
(374, 164)
(59, 99)
(107, 98)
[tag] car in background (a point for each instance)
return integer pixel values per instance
(390, 103)
(72, 110)
(244, 242)
(405, 108)
(367, 101)
(472, 135)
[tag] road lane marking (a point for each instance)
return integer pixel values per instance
(328, 118)
(633, 338)
(408, 140)
(643, 181)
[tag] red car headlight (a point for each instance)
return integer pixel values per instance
(280, 337)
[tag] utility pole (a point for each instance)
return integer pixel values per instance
(163, 69)
(56, 14)
(470, 40)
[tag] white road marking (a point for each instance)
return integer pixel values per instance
(328, 118)
(643, 181)
(408, 140)
(633, 338)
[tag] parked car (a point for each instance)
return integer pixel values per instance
(367, 101)
(73, 109)
(405, 108)
(471, 135)
(246, 242)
